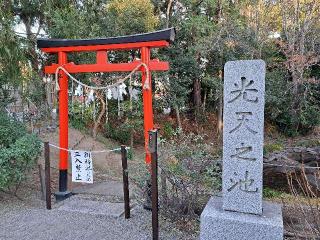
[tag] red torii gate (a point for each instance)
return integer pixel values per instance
(62, 47)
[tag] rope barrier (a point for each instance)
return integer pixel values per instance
(100, 151)
(145, 86)
(278, 165)
(290, 166)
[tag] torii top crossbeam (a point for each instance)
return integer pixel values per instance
(143, 42)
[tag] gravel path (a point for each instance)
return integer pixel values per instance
(41, 224)
(33, 222)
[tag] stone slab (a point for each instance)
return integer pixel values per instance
(218, 224)
(82, 206)
(110, 188)
(244, 90)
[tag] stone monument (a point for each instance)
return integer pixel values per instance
(241, 214)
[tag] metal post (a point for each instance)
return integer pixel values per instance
(47, 174)
(153, 149)
(125, 182)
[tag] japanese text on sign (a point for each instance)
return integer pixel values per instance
(82, 170)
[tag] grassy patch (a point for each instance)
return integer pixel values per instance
(270, 193)
(272, 147)
(308, 143)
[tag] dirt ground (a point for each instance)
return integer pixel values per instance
(109, 162)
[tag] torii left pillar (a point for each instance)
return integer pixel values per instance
(63, 129)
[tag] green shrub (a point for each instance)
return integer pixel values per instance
(273, 147)
(280, 101)
(168, 131)
(10, 130)
(19, 151)
(80, 117)
(271, 193)
(119, 133)
(299, 123)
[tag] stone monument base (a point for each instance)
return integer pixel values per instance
(217, 224)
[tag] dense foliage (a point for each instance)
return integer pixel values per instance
(286, 34)
(18, 150)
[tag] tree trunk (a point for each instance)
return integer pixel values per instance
(218, 11)
(168, 13)
(220, 107)
(131, 113)
(31, 46)
(119, 107)
(176, 107)
(101, 114)
(204, 101)
(296, 101)
(107, 113)
(197, 95)
(220, 116)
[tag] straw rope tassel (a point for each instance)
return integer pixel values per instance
(119, 107)
(72, 96)
(83, 102)
(130, 96)
(107, 115)
(94, 107)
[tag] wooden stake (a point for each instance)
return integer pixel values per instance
(126, 197)
(42, 182)
(47, 174)
(153, 149)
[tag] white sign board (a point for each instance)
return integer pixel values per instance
(82, 170)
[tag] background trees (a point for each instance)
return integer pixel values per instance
(286, 34)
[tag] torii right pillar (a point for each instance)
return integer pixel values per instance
(147, 100)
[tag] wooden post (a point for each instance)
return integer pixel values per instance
(42, 182)
(153, 149)
(47, 174)
(124, 157)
